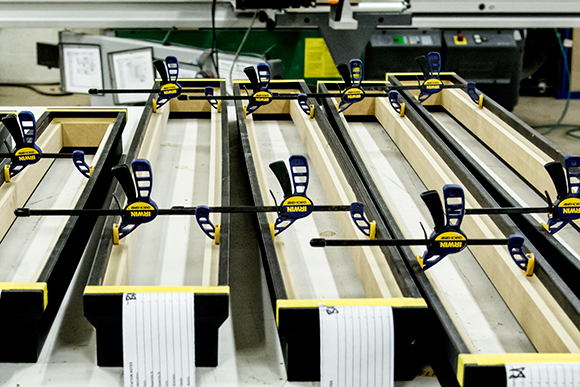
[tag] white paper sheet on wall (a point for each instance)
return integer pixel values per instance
(543, 374)
(356, 346)
(158, 339)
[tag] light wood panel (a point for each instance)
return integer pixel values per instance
(547, 326)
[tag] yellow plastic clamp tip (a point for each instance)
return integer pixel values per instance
(373, 230)
(217, 234)
(480, 103)
(531, 261)
(115, 234)
(272, 230)
(546, 226)
(91, 169)
(7, 173)
(420, 260)
(154, 106)
(311, 111)
(219, 108)
(245, 115)
(402, 113)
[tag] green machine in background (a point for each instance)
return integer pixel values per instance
(303, 53)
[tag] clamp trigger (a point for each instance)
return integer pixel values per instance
(209, 92)
(303, 103)
(357, 214)
(524, 261)
(202, 217)
(397, 106)
(78, 158)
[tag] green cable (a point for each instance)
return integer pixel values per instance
(565, 111)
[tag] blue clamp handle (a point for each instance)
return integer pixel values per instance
(303, 103)
(172, 68)
(300, 174)
(209, 92)
(356, 70)
(454, 205)
(357, 213)
(573, 163)
(144, 209)
(524, 261)
(78, 158)
(202, 217)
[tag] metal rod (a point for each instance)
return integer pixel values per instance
(507, 210)
(25, 212)
(274, 95)
(321, 242)
(44, 155)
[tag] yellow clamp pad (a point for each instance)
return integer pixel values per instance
(402, 113)
(480, 102)
(219, 107)
(506, 358)
(311, 111)
(154, 106)
(217, 234)
(272, 230)
(115, 234)
(157, 289)
(531, 262)
(546, 226)
(7, 173)
(420, 260)
(395, 302)
(373, 230)
(91, 169)
(27, 286)
(245, 115)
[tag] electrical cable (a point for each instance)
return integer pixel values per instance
(214, 51)
(30, 87)
(241, 45)
(572, 128)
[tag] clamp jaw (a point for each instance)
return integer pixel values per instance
(352, 78)
(567, 205)
(431, 68)
(447, 237)
(169, 86)
(259, 81)
(140, 207)
(25, 152)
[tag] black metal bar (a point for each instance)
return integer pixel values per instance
(385, 90)
(507, 210)
(44, 155)
(25, 212)
(321, 242)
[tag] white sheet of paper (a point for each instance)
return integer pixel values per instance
(132, 70)
(158, 339)
(356, 346)
(82, 68)
(543, 374)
